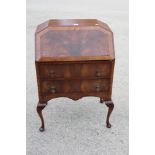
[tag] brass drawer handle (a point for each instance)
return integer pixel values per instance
(52, 89)
(98, 73)
(98, 88)
(52, 73)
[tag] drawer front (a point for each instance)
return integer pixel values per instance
(77, 70)
(54, 71)
(60, 86)
(75, 86)
(95, 85)
(96, 70)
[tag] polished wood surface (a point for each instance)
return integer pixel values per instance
(74, 58)
(74, 86)
(83, 70)
(67, 39)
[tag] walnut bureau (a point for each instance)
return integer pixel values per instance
(74, 58)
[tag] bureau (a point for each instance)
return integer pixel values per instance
(74, 58)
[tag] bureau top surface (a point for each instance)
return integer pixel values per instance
(73, 40)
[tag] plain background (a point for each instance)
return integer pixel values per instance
(12, 116)
(78, 127)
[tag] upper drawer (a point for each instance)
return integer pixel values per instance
(54, 71)
(75, 70)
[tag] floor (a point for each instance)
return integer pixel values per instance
(78, 127)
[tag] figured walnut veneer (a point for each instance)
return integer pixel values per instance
(74, 58)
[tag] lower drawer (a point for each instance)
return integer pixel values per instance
(73, 86)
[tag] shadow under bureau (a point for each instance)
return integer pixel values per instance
(74, 58)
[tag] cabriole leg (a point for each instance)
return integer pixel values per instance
(101, 100)
(110, 106)
(39, 109)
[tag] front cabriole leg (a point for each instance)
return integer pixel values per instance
(101, 100)
(39, 109)
(110, 106)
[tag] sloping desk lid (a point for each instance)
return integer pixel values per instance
(73, 40)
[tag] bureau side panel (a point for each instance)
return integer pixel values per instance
(39, 83)
(111, 76)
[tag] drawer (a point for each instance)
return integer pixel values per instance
(60, 86)
(54, 71)
(76, 70)
(90, 70)
(74, 86)
(95, 85)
